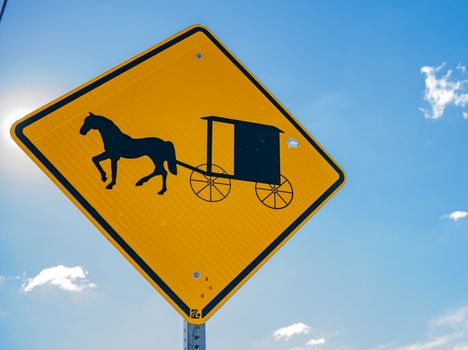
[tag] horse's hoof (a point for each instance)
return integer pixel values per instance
(139, 183)
(109, 186)
(104, 178)
(161, 192)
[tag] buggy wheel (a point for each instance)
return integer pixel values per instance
(275, 196)
(210, 188)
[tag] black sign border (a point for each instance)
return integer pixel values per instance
(19, 132)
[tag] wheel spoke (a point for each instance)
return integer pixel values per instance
(290, 192)
(222, 172)
(264, 199)
(211, 193)
(217, 189)
(222, 183)
(282, 199)
(281, 184)
(274, 199)
(194, 180)
(201, 189)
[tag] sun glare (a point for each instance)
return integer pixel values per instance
(8, 120)
(13, 161)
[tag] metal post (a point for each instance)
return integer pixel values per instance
(194, 336)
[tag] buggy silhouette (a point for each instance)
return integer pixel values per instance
(256, 159)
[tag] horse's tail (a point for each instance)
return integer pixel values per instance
(171, 158)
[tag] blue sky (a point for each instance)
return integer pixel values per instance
(381, 266)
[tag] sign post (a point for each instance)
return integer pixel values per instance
(194, 336)
(187, 164)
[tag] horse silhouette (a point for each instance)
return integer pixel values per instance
(118, 145)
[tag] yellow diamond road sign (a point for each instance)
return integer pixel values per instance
(187, 164)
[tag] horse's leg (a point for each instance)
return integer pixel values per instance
(158, 170)
(114, 173)
(146, 178)
(164, 176)
(96, 160)
(162, 171)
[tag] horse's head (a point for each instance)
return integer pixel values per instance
(90, 122)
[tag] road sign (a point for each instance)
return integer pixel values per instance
(187, 164)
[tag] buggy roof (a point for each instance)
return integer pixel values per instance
(239, 122)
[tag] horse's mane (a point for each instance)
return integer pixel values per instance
(104, 120)
(107, 126)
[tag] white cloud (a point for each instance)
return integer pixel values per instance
(456, 319)
(2, 278)
(456, 215)
(286, 333)
(431, 344)
(72, 279)
(442, 91)
(465, 115)
(315, 341)
(446, 332)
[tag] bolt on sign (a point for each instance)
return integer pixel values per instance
(187, 164)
